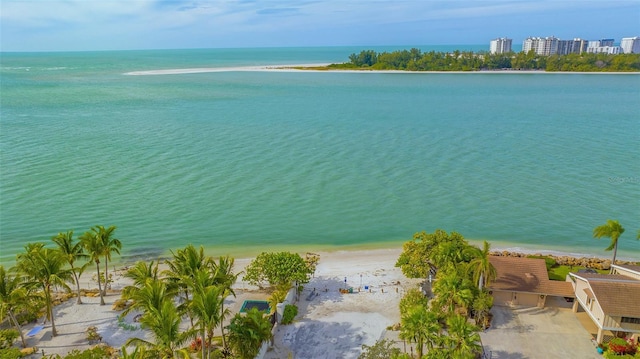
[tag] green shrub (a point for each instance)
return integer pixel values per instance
(7, 337)
(97, 352)
(290, 312)
(10, 353)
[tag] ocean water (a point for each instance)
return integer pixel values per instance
(242, 162)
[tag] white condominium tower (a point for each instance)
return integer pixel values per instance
(541, 46)
(500, 46)
(630, 45)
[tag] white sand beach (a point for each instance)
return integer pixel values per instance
(327, 320)
(329, 324)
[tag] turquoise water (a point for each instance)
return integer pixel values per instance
(247, 161)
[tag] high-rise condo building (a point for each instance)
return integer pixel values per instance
(575, 46)
(500, 46)
(542, 46)
(630, 45)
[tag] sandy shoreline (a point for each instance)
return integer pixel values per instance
(325, 312)
(309, 68)
(346, 320)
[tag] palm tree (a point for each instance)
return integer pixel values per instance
(151, 295)
(420, 325)
(164, 323)
(140, 274)
(72, 252)
(94, 247)
(224, 277)
(452, 289)
(206, 308)
(483, 271)
(248, 332)
(12, 298)
(482, 306)
(44, 269)
(111, 245)
(182, 269)
(463, 337)
(613, 230)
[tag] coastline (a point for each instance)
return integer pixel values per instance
(313, 68)
(323, 311)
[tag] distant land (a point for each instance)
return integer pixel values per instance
(416, 60)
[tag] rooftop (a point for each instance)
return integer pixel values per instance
(526, 275)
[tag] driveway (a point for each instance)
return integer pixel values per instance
(531, 333)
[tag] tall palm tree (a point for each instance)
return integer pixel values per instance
(182, 269)
(613, 230)
(44, 269)
(72, 252)
(94, 247)
(483, 271)
(164, 323)
(248, 332)
(12, 298)
(225, 278)
(463, 338)
(420, 325)
(206, 308)
(111, 244)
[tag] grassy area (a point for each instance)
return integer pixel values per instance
(560, 272)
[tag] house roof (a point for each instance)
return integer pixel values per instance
(589, 293)
(529, 275)
(628, 267)
(591, 277)
(617, 298)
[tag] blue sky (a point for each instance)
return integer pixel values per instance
(72, 25)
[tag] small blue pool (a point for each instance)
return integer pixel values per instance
(262, 305)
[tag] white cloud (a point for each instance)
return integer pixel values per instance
(90, 23)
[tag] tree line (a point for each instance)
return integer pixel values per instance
(193, 288)
(416, 60)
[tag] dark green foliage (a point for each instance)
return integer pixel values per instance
(278, 269)
(415, 60)
(365, 58)
(247, 332)
(428, 251)
(412, 298)
(290, 312)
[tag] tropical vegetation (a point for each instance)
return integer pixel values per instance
(440, 327)
(612, 230)
(194, 286)
(416, 60)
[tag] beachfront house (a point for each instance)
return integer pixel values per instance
(610, 300)
(525, 282)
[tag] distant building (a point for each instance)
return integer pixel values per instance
(575, 46)
(500, 46)
(542, 46)
(601, 43)
(630, 45)
(612, 50)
